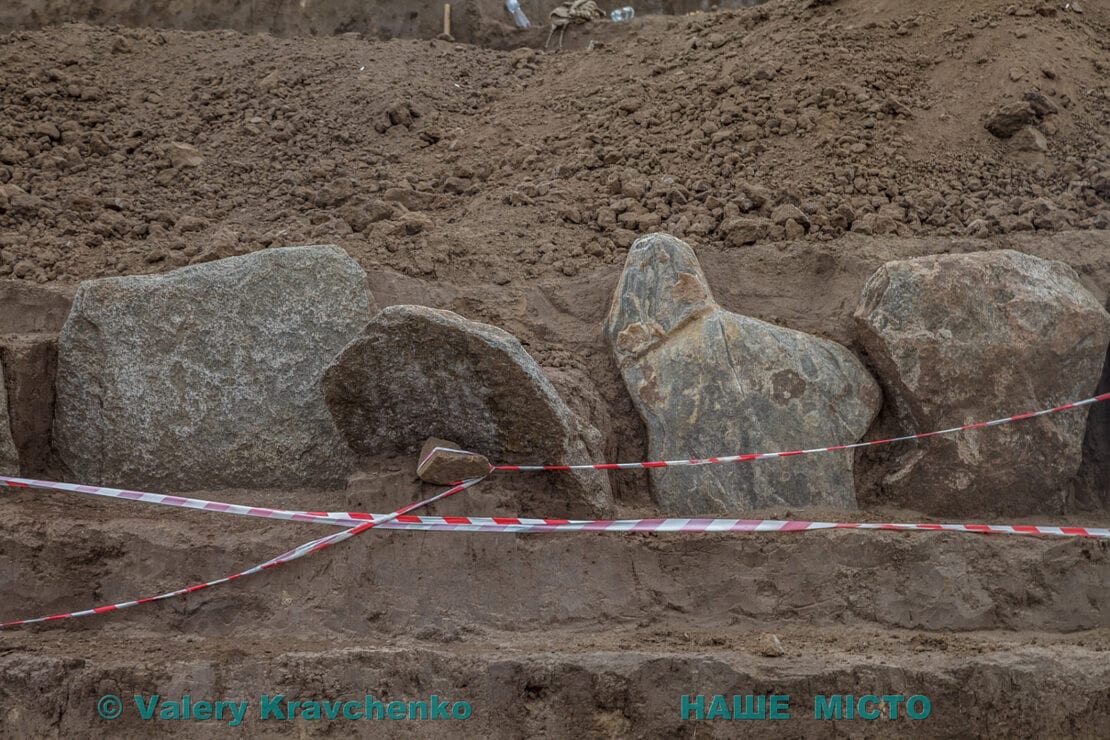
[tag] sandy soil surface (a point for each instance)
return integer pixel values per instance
(507, 186)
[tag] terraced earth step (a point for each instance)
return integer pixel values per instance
(559, 684)
(64, 553)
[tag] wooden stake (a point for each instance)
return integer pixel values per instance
(446, 19)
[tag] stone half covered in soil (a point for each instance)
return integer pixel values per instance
(957, 339)
(417, 372)
(709, 382)
(209, 376)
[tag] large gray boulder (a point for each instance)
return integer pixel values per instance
(708, 382)
(418, 372)
(209, 376)
(964, 338)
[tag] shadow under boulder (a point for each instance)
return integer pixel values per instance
(31, 316)
(1093, 483)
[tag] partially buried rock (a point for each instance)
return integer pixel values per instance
(209, 376)
(418, 371)
(183, 155)
(770, 646)
(1029, 139)
(1007, 120)
(442, 462)
(710, 382)
(965, 338)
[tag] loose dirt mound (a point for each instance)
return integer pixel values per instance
(441, 160)
(507, 187)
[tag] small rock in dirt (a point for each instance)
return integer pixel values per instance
(24, 269)
(187, 224)
(12, 155)
(415, 200)
(1041, 105)
(443, 462)
(1006, 121)
(741, 231)
(770, 646)
(793, 230)
(183, 155)
(360, 215)
(874, 224)
(786, 212)
(1029, 139)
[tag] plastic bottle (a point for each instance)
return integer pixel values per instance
(513, 6)
(622, 14)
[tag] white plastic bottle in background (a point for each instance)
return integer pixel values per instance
(622, 14)
(513, 7)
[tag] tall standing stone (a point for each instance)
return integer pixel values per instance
(209, 376)
(963, 338)
(709, 382)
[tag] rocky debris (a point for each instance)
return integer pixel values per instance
(9, 457)
(740, 231)
(964, 338)
(208, 376)
(417, 371)
(770, 646)
(1008, 119)
(443, 462)
(709, 382)
(415, 200)
(690, 145)
(1029, 139)
(183, 155)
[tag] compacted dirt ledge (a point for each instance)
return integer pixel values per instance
(562, 684)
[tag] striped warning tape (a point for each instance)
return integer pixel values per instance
(295, 554)
(792, 453)
(523, 525)
(358, 522)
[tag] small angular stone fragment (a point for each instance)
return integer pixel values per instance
(443, 463)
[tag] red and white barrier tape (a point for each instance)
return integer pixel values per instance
(287, 557)
(522, 525)
(360, 522)
(792, 453)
